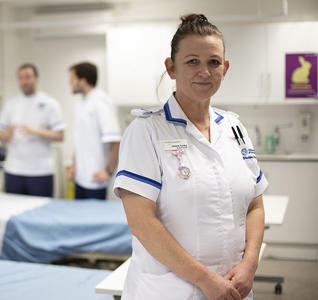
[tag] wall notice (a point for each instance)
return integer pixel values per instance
(301, 75)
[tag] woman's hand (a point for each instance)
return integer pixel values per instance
(241, 277)
(215, 287)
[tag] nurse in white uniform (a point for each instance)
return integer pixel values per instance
(190, 184)
(29, 123)
(96, 135)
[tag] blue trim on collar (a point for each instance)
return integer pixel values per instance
(170, 118)
(140, 178)
(219, 118)
(259, 176)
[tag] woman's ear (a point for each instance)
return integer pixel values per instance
(226, 67)
(170, 68)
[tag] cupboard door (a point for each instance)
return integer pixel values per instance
(245, 47)
(298, 180)
(287, 38)
(135, 63)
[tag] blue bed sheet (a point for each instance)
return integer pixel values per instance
(31, 281)
(64, 227)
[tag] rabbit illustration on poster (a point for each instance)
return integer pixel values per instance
(301, 74)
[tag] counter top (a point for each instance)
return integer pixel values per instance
(293, 157)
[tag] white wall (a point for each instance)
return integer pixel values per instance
(135, 62)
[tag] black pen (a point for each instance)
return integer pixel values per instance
(240, 133)
(235, 135)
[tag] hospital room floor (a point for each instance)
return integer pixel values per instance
(301, 280)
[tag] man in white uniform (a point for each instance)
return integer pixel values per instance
(97, 135)
(29, 123)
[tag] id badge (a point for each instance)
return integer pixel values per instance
(174, 145)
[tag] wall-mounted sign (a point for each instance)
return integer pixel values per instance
(301, 75)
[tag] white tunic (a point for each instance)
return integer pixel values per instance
(28, 154)
(96, 125)
(205, 213)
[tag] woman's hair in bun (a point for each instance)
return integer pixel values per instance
(193, 24)
(194, 18)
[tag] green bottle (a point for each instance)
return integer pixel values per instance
(270, 144)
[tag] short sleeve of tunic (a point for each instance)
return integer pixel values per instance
(261, 181)
(107, 120)
(139, 169)
(55, 118)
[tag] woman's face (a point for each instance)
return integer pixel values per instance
(198, 68)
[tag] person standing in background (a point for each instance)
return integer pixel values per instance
(29, 123)
(97, 135)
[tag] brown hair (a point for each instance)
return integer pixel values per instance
(31, 66)
(193, 24)
(87, 71)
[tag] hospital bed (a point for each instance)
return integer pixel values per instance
(31, 281)
(42, 230)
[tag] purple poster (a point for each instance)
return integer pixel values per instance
(301, 75)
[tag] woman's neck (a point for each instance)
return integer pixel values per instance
(197, 112)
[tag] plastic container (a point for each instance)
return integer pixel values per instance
(270, 144)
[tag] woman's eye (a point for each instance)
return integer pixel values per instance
(193, 61)
(215, 62)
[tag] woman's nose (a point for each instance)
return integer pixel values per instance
(204, 71)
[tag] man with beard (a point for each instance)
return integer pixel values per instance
(29, 123)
